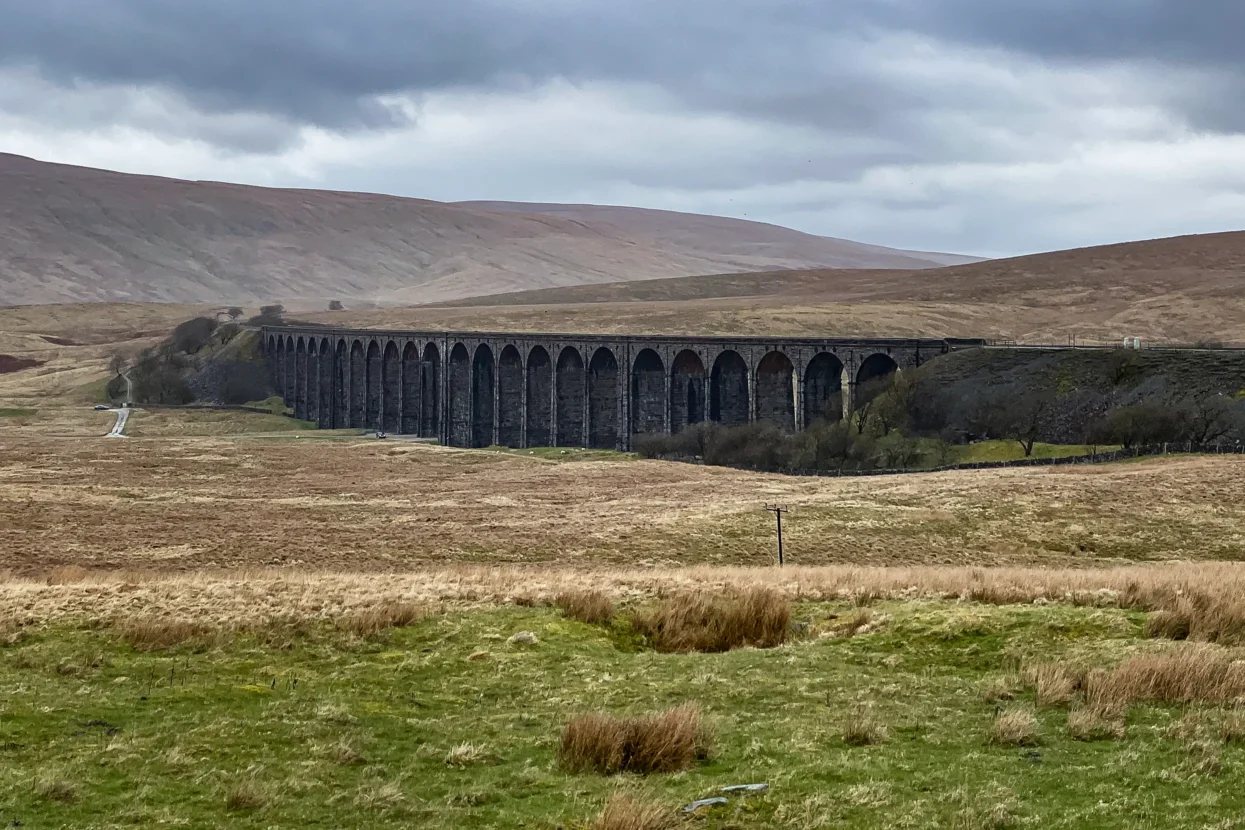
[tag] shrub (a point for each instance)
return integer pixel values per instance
(1014, 727)
(623, 812)
(654, 743)
(707, 622)
(381, 618)
(860, 729)
(591, 607)
(1055, 684)
(159, 633)
(1092, 725)
(191, 336)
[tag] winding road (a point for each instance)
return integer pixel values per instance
(123, 414)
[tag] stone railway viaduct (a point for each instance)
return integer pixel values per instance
(476, 389)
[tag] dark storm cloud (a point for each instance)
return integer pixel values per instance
(331, 62)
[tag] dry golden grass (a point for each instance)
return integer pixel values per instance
(207, 503)
(758, 616)
(380, 618)
(1014, 727)
(158, 633)
(625, 812)
(1055, 684)
(1190, 674)
(1092, 725)
(591, 607)
(654, 743)
(246, 795)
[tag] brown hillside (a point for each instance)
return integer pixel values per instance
(1185, 289)
(73, 234)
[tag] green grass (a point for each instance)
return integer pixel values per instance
(275, 404)
(1012, 451)
(17, 412)
(568, 454)
(329, 732)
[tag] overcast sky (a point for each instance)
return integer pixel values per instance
(977, 126)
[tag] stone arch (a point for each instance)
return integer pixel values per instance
(324, 414)
(460, 396)
(648, 394)
(278, 375)
(300, 379)
(823, 389)
(372, 412)
(570, 383)
(775, 391)
(291, 373)
(687, 391)
(510, 398)
(430, 380)
(341, 386)
(391, 389)
(539, 398)
(358, 386)
(313, 382)
(603, 403)
(729, 402)
(872, 376)
(411, 375)
(483, 376)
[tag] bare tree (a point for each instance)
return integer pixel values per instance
(117, 364)
(336, 305)
(1209, 418)
(235, 312)
(1018, 416)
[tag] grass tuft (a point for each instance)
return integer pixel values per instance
(860, 728)
(591, 607)
(1014, 727)
(1055, 684)
(1093, 725)
(159, 633)
(705, 622)
(654, 743)
(623, 812)
(1190, 675)
(54, 788)
(466, 755)
(380, 618)
(246, 795)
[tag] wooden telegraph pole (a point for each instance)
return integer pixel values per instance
(778, 510)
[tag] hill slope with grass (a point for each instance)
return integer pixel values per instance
(70, 234)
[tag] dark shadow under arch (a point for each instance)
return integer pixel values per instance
(539, 398)
(729, 403)
(570, 383)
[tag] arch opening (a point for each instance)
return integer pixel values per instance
(300, 379)
(603, 400)
(687, 391)
(430, 381)
(570, 382)
(539, 398)
(391, 389)
(460, 397)
(358, 386)
(291, 374)
(775, 390)
(729, 402)
(313, 383)
(341, 386)
(872, 378)
(648, 394)
(482, 403)
(324, 414)
(374, 389)
(823, 389)
(410, 390)
(510, 398)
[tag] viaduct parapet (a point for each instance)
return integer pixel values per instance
(476, 389)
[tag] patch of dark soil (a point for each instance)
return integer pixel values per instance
(9, 363)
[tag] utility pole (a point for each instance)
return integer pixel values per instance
(778, 510)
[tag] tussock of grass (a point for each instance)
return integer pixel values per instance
(159, 633)
(757, 616)
(654, 743)
(1055, 684)
(1206, 616)
(624, 812)
(1000, 687)
(1014, 727)
(860, 728)
(246, 795)
(56, 788)
(588, 606)
(1170, 625)
(380, 618)
(1191, 675)
(1093, 725)
(467, 754)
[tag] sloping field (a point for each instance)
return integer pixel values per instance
(202, 503)
(1186, 289)
(70, 234)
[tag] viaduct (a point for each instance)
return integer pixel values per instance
(476, 389)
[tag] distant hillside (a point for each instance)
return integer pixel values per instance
(71, 234)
